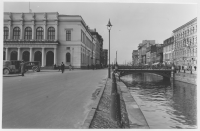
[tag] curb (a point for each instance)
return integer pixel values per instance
(135, 115)
(94, 106)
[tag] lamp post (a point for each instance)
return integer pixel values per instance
(109, 28)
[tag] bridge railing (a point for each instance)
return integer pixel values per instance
(144, 67)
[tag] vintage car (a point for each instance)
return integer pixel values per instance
(33, 65)
(11, 66)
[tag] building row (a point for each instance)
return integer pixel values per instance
(52, 38)
(180, 49)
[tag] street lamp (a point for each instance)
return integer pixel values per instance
(109, 28)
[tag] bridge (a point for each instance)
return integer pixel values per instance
(166, 72)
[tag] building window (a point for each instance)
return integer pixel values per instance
(39, 33)
(28, 33)
(6, 32)
(68, 57)
(68, 48)
(68, 35)
(16, 33)
(4, 55)
(51, 33)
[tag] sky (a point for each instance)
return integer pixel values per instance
(132, 21)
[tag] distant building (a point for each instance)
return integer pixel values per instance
(98, 40)
(49, 38)
(105, 57)
(142, 50)
(135, 57)
(153, 56)
(168, 50)
(159, 54)
(185, 45)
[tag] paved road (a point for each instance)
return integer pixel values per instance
(49, 99)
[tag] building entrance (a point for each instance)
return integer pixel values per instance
(49, 58)
(38, 56)
(26, 56)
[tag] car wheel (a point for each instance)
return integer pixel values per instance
(35, 68)
(6, 71)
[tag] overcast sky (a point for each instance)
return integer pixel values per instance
(132, 22)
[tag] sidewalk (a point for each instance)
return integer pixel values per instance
(102, 119)
(100, 116)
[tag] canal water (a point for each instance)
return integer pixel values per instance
(165, 105)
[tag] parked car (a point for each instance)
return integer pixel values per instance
(11, 66)
(33, 65)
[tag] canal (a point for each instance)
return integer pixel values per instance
(165, 105)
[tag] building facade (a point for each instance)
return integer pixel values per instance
(98, 40)
(135, 61)
(142, 50)
(105, 57)
(185, 44)
(159, 54)
(168, 50)
(49, 38)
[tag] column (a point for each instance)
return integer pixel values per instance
(33, 32)
(9, 36)
(31, 52)
(18, 55)
(55, 55)
(45, 31)
(56, 32)
(43, 57)
(21, 32)
(6, 53)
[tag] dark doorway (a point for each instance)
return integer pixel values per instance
(49, 58)
(38, 56)
(25, 56)
(13, 55)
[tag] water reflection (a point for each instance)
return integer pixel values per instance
(164, 104)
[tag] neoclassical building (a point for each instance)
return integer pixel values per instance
(49, 38)
(185, 44)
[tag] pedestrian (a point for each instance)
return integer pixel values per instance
(70, 67)
(54, 66)
(62, 67)
(58, 67)
(195, 68)
(22, 64)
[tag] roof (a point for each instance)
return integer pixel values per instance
(186, 24)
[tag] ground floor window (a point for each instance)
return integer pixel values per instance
(13, 55)
(38, 56)
(4, 55)
(68, 57)
(26, 56)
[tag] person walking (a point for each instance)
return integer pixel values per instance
(70, 67)
(62, 67)
(22, 64)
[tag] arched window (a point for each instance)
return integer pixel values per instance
(28, 33)
(39, 33)
(68, 57)
(16, 33)
(6, 32)
(13, 55)
(4, 55)
(51, 33)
